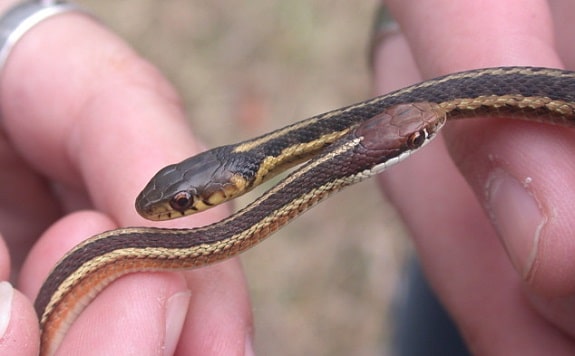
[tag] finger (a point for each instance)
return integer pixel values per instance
(141, 311)
(4, 261)
(130, 318)
(497, 156)
(562, 12)
(20, 221)
(446, 37)
(116, 123)
(19, 332)
(218, 325)
(458, 247)
(109, 144)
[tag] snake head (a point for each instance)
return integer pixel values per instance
(191, 186)
(399, 131)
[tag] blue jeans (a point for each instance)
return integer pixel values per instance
(422, 326)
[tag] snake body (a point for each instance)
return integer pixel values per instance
(341, 147)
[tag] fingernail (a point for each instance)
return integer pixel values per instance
(249, 346)
(176, 310)
(517, 217)
(6, 296)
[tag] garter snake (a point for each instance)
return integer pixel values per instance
(339, 148)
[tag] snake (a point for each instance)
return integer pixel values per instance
(326, 152)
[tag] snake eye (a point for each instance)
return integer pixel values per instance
(182, 201)
(417, 139)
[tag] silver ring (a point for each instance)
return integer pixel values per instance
(22, 17)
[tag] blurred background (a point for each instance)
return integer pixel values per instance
(324, 284)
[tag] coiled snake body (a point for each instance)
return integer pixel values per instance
(341, 147)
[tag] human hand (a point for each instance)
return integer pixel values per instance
(85, 124)
(496, 244)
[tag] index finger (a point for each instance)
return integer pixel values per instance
(514, 169)
(95, 118)
(496, 156)
(92, 117)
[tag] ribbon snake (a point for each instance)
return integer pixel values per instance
(335, 149)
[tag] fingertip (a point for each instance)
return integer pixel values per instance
(220, 320)
(132, 319)
(55, 242)
(519, 172)
(176, 310)
(6, 296)
(517, 217)
(19, 331)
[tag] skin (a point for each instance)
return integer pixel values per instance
(61, 130)
(507, 291)
(490, 206)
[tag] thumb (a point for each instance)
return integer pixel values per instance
(19, 332)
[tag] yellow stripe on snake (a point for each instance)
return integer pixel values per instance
(339, 148)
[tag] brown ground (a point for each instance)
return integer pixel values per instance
(323, 285)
